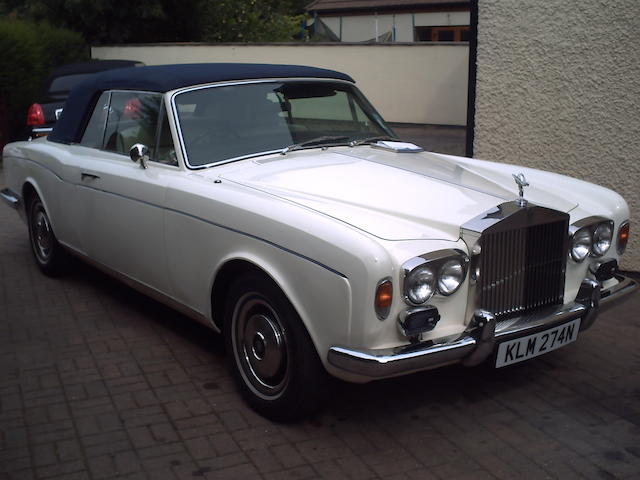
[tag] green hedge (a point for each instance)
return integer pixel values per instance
(28, 53)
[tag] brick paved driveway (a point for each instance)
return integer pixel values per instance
(98, 382)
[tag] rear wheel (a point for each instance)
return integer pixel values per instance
(272, 356)
(48, 253)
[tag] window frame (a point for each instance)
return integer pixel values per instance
(87, 122)
(174, 112)
(158, 126)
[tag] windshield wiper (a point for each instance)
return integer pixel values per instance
(379, 138)
(312, 142)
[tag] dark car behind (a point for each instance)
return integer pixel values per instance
(44, 113)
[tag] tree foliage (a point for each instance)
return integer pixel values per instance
(145, 21)
(28, 53)
(249, 21)
(30, 48)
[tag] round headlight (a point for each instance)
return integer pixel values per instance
(419, 285)
(602, 238)
(450, 277)
(581, 244)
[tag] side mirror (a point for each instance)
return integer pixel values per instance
(139, 153)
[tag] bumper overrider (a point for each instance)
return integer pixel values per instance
(479, 340)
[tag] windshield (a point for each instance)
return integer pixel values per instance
(220, 123)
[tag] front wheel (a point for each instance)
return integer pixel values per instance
(272, 356)
(49, 255)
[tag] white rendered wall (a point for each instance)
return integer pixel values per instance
(558, 86)
(417, 83)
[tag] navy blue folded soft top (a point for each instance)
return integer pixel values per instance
(163, 78)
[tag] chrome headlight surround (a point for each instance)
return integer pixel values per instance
(440, 272)
(590, 237)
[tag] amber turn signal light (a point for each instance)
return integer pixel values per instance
(384, 298)
(623, 238)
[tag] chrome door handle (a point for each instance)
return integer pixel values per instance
(88, 176)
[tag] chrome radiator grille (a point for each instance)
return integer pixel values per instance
(522, 262)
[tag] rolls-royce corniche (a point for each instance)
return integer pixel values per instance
(273, 204)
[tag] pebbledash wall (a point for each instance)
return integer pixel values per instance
(558, 88)
(410, 83)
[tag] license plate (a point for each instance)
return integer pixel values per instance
(524, 348)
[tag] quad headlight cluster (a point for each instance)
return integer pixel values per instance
(591, 238)
(439, 272)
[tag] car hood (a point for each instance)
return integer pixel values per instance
(394, 196)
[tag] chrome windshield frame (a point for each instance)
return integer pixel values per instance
(176, 119)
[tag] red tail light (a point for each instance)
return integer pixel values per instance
(35, 115)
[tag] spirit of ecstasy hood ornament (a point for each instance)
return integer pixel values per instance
(521, 181)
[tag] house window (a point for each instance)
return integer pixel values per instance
(442, 34)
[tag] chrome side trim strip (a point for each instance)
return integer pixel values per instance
(145, 289)
(264, 240)
(45, 167)
(12, 199)
(230, 229)
(273, 244)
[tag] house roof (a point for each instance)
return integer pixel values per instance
(163, 78)
(328, 6)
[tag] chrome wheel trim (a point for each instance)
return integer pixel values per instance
(260, 346)
(41, 235)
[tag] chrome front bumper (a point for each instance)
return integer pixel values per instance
(478, 341)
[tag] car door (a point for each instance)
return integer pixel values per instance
(121, 202)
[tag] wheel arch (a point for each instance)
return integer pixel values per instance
(292, 380)
(231, 268)
(30, 189)
(28, 192)
(235, 267)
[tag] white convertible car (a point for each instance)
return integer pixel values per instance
(273, 204)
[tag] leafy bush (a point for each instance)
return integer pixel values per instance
(28, 53)
(248, 21)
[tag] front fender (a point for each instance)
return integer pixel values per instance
(321, 297)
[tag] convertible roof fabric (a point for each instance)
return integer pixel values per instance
(163, 78)
(94, 66)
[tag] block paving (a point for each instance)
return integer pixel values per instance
(99, 382)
